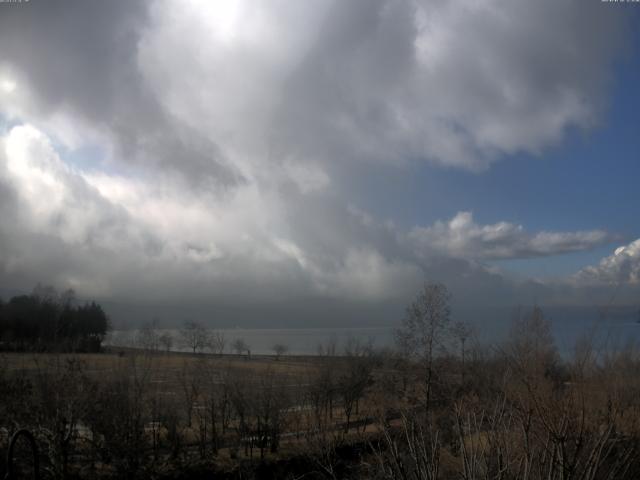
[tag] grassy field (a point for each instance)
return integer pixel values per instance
(110, 360)
(173, 393)
(186, 375)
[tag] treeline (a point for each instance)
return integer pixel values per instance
(47, 320)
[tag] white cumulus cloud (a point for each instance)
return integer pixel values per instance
(623, 266)
(461, 237)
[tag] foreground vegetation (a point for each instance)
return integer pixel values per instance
(439, 407)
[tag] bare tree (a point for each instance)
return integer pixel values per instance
(194, 336)
(267, 406)
(424, 328)
(461, 331)
(217, 342)
(166, 340)
(355, 347)
(410, 452)
(279, 349)
(241, 396)
(190, 385)
(240, 346)
(215, 402)
(355, 377)
(147, 337)
(330, 349)
(321, 391)
(62, 395)
(118, 415)
(531, 347)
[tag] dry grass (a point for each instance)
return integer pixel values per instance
(95, 363)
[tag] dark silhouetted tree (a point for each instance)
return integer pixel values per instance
(424, 329)
(194, 336)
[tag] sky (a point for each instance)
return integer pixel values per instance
(311, 163)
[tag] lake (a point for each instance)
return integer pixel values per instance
(614, 329)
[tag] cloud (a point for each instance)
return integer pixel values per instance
(213, 89)
(224, 126)
(461, 237)
(76, 73)
(54, 199)
(116, 236)
(456, 83)
(620, 268)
